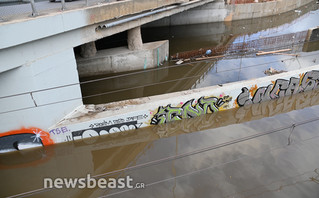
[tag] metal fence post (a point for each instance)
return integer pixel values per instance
(34, 11)
(63, 5)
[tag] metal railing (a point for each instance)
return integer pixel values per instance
(246, 1)
(22, 7)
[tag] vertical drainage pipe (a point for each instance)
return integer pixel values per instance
(157, 57)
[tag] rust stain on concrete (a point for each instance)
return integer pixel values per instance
(229, 17)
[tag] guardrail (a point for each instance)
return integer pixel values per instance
(63, 6)
(33, 8)
(245, 1)
(10, 10)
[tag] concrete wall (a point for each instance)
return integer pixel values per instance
(116, 117)
(52, 71)
(122, 59)
(218, 11)
(34, 108)
(254, 10)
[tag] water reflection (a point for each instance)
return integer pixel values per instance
(231, 68)
(133, 153)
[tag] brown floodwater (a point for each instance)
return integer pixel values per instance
(275, 32)
(263, 150)
(252, 151)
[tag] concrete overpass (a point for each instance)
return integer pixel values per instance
(38, 70)
(79, 26)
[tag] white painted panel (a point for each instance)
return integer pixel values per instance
(58, 69)
(16, 103)
(29, 30)
(58, 95)
(40, 117)
(16, 81)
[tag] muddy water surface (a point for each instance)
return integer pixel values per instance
(263, 150)
(276, 32)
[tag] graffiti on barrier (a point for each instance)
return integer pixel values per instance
(59, 130)
(99, 127)
(118, 121)
(93, 132)
(189, 109)
(279, 88)
(24, 138)
(240, 115)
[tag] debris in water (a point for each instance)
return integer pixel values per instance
(208, 52)
(272, 52)
(179, 62)
(209, 57)
(272, 71)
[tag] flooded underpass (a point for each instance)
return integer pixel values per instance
(261, 150)
(243, 39)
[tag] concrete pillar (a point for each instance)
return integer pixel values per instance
(134, 39)
(88, 50)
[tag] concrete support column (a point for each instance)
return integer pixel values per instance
(134, 39)
(88, 50)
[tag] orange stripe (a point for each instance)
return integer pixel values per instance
(45, 136)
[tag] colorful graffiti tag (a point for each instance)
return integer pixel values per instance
(279, 88)
(24, 138)
(189, 109)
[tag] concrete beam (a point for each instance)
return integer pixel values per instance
(122, 59)
(88, 49)
(134, 39)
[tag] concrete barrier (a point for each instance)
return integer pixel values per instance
(94, 120)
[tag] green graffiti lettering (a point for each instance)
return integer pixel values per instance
(189, 110)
